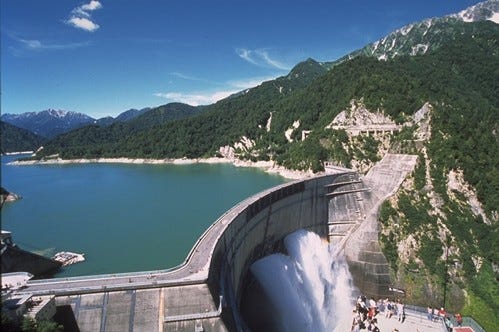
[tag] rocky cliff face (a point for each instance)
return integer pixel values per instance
(436, 234)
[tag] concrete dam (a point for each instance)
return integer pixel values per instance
(206, 291)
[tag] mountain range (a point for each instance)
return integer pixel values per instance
(50, 123)
(434, 81)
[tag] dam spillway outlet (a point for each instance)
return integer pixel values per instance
(307, 289)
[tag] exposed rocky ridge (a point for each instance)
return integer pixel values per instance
(486, 10)
(457, 185)
(358, 116)
(427, 35)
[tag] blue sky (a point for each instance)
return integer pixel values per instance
(104, 57)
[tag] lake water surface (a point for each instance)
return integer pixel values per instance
(123, 217)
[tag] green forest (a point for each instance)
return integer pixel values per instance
(14, 139)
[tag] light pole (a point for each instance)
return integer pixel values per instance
(447, 242)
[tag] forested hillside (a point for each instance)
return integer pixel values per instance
(16, 139)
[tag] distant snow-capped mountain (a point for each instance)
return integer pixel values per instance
(51, 122)
(427, 35)
(48, 123)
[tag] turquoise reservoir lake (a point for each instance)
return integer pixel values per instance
(123, 217)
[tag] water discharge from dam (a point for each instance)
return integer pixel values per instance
(310, 288)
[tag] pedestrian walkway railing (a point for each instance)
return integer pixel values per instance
(422, 313)
(469, 321)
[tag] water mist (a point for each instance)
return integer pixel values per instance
(310, 288)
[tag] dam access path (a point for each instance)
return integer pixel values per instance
(205, 292)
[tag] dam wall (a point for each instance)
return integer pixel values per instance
(257, 230)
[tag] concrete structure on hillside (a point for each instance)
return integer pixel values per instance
(205, 292)
(358, 120)
(368, 265)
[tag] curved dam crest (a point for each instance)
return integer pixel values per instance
(205, 292)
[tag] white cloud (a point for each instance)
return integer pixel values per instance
(274, 63)
(210, 97)
(83, 23)
(250, 82)
(34, 45)
(81, 18)
(195, 99)
(78, 12)
(188, 77)
(261, 58)
(245, 55)
(240, 84)
(93, 5)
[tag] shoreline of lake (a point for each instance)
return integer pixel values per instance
(267, 166)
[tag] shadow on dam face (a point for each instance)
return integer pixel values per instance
(257, 310)
(255, 307)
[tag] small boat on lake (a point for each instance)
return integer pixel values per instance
(68, 258)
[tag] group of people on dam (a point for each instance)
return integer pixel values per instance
(366, 312)
(435, 314)
(370, 314)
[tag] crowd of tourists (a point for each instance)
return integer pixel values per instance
(366, 313)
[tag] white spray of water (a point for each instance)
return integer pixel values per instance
(310, 289)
